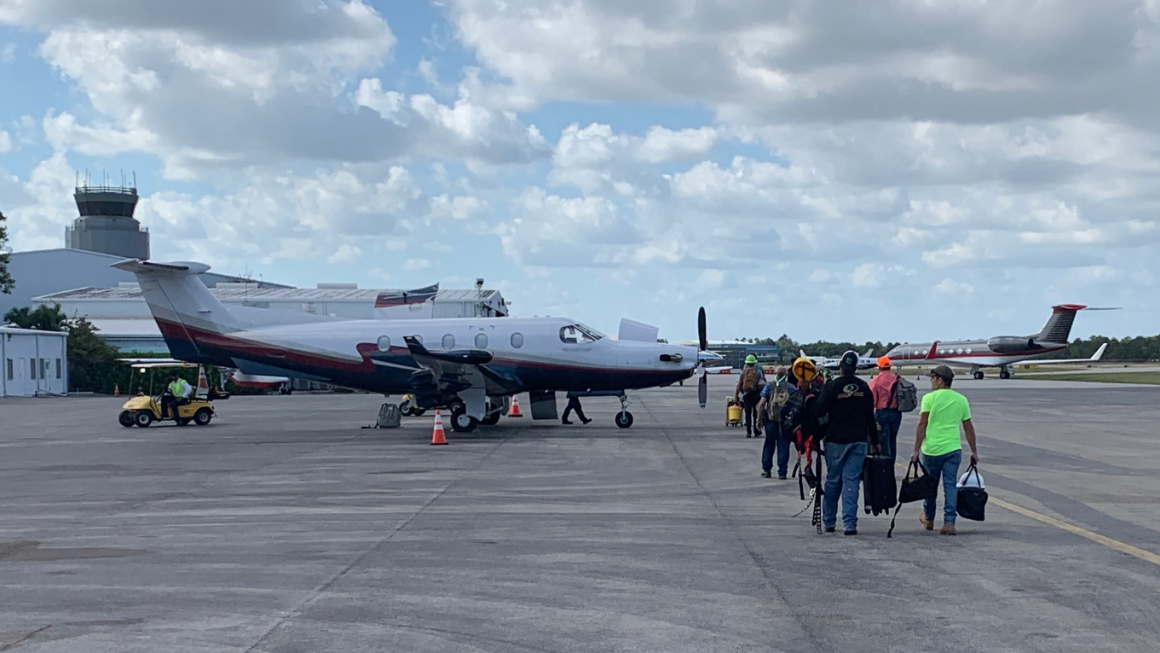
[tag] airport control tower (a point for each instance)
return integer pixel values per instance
(107, 224)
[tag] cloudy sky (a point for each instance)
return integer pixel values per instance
(844, 169)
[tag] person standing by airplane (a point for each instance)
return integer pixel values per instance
(937, 440)
(574, 405)
(773, 397)
(849, 403)
(748, 390)
(885, 388)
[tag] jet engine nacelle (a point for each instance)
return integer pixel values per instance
(1010, 344)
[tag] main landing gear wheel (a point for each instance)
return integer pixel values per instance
(461, 421)
(1004, 374)
(978, 376)
(624, 419)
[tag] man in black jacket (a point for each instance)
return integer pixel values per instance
(848, 403)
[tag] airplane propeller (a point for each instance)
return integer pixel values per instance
(703, 345)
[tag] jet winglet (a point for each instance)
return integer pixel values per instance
(1099, 352)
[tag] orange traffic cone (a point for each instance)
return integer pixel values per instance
(437, 436)
(116, 390)
(202, 383)
(514, 409)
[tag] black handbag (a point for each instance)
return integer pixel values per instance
(972, 501)
(915, 486)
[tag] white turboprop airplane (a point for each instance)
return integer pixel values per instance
(470, 365)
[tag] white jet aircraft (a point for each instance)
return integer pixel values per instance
(470, 365)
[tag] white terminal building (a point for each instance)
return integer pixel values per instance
(122, 317)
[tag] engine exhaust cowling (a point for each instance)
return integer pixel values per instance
(1011, 344)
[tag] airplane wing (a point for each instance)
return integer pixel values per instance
(1072, 361)
(463, 367)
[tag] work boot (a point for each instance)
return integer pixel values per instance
(947, 529)
(928, 524)
(781, 477)
(586, 420)
(829, 529)
(765, 474)
(566, 422)
(850, 531)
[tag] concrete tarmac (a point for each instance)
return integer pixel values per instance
(283, 527)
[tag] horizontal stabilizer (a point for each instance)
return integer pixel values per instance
(177, 267)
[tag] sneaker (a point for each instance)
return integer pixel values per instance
(928, 524)
(947, 529)
(765, 474)
(850, 531)
(829, 529)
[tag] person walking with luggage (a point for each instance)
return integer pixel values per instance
(773, 397)
(848, 402)
(574, 405)
(885, 388)
(748, 391)
(937, 441)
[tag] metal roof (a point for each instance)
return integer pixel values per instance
(17, 331)
(360, 295)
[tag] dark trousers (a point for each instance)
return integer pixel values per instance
(774, 442)
(574, 405)
(169, 406)
(749, 403)
(889, 421)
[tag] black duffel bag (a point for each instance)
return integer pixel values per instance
(972, 500)
(917, 485)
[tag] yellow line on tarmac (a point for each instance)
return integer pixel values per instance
(1147, 556)
(1122, 547)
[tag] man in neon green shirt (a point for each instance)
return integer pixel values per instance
(937, 440)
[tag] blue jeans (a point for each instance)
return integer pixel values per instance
(947, 466)
(774, 441)
(889, 421)
(843, 471)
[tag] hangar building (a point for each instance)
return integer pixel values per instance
(33, 362)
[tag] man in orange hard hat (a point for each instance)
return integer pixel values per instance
(886, 413)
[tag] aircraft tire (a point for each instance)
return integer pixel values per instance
(1004, 374)
(405, 409)
(461, 422)
(490, 420)
(624, 419)
(978, 376)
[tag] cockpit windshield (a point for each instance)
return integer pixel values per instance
(578, 334)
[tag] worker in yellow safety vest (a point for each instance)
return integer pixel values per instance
(176, 393)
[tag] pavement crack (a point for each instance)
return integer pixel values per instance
(818, 644)
(321, 589)
(11, 645)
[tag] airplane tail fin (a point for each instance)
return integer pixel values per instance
(1058, 327)
(187, 314)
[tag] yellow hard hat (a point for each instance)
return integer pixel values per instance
(804, 369)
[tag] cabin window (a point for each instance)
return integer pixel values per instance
(517, 342)
(481, 341)
(449, 341)
(384, 343)
(968, 350)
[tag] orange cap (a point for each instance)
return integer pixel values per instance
(883, 363)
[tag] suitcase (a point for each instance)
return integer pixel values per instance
(879, 489)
